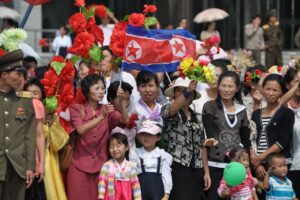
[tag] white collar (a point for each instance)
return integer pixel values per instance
(155, 153)
(238, 108)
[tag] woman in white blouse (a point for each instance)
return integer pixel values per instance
(61, 42)
(209, 31)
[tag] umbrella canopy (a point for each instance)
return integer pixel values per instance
(28, 51)
(6, 12)
(210, 15)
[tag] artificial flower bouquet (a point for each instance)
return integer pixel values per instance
(117, 40)
(10, 40)
(253, 77)
(58, 85)
(89, 36)
(197, 70)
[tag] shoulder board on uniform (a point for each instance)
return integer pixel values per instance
(276, 23)
(266, 26)
(24, 94)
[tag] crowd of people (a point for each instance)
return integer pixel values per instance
(151, 136)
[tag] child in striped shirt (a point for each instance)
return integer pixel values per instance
(276, 184)
(118, 177)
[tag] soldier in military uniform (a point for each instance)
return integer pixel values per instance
(17, 132)
(273, 40)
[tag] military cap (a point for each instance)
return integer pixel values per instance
(271, 13)
(12, 61)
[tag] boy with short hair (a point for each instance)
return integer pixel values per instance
(276, 184)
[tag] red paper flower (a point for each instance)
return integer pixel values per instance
(100, 11)
(117, 39)
(77, 22)
(43, 42)
(180, 73)
(131, 123)
(149, 9)
(82, 43)
(279, 69)
(57, 59)
(2, 52)
(259, 73)
(79, 3)
(94, 29)
(49, 82)
(66, 97)
(68, 72)
(136, 19)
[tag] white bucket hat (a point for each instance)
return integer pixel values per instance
(180, 82)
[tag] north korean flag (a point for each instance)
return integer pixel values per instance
(156, 50)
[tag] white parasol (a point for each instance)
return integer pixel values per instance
(210, 15)
(28, 51)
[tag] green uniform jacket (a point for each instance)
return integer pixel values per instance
(273, 36)
(17, 133)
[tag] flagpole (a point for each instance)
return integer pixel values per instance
(169, 79)
(25, 18)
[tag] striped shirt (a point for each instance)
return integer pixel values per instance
(263, 140)
(279, 189)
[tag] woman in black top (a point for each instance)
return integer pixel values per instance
(274, 125)
(225, 119)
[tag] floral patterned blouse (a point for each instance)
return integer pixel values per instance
(183, 137)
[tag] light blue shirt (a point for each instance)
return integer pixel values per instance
(279, 189)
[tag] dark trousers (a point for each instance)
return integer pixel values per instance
(36, 191)
(13, 187)
(187, 183)
(216, 175)
(294, 176)
(256, 55)
(273, 57)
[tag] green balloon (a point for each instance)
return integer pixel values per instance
(234, 174)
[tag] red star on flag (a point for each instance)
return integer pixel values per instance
(178, 47)
(132, 50)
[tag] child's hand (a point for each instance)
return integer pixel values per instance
(210, 142)
(270, 170)
(225, 192)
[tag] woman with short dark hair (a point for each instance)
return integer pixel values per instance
(93, 123)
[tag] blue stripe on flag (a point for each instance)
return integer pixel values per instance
(158, 34)
(168, 67)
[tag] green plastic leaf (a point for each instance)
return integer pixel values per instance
(118, 60)
(75, 59)
(96, 54)
(150, 21)
(51, 103)
(126, 18)
(88, 12)
(58, 66)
